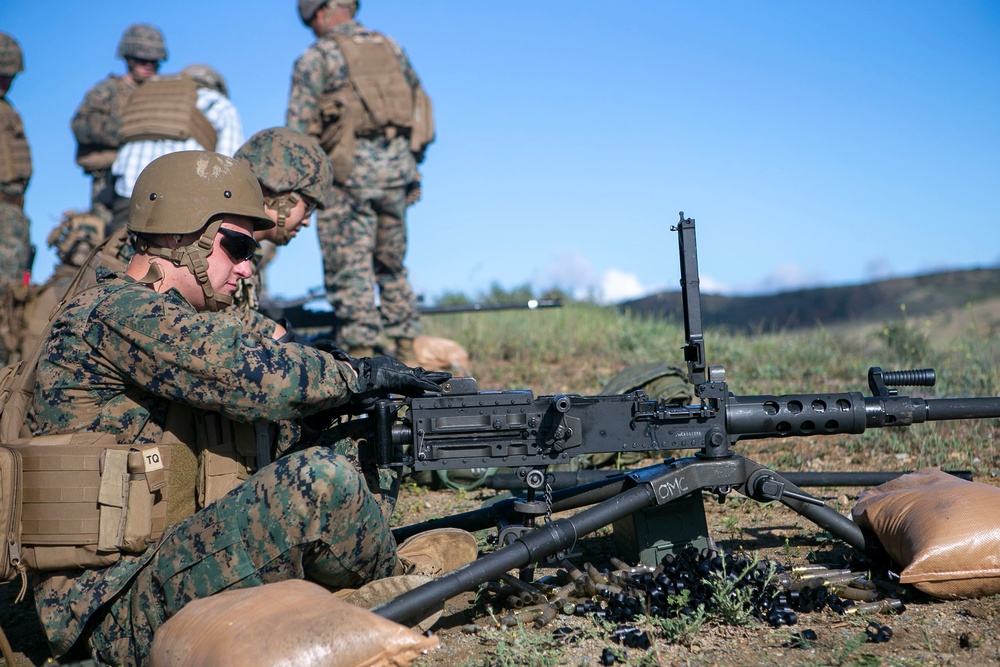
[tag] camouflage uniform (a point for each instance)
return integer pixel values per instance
(287, 165)
(95, 126)
(14, 177)
(117, 356)
(363, 232)
(97, 120)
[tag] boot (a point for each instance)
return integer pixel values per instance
(381, 591)
(405, 352)
(437, 552)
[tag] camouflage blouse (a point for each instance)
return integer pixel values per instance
(117, 356)
(120, 353)
(378, 162)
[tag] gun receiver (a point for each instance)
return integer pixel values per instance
(468, 428)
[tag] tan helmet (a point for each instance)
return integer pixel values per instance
(76, 235)
(179, 193)
(11, 59)
(207, 77)
(187, 192)
(142, 41)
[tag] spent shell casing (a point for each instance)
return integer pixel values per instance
(888, 604)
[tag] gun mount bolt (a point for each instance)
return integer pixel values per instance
(497, 424)
(717, 439)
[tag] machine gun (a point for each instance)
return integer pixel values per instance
(297, 313)
(465, 427)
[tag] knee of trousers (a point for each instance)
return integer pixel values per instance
(314, 481)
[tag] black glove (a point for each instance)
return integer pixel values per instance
(381, 376)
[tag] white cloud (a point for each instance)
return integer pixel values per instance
(879, 268)
(569, 271)
(617, 285)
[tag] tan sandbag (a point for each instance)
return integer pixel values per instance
(292, 622)
(440, 354)
(943, 530)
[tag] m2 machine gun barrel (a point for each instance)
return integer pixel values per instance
(468, 428)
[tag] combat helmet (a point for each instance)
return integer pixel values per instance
(142, 41)
(308, 8)
(76, 235)
(288, 164)
(186, 192)
(11, 60)
(206, 76)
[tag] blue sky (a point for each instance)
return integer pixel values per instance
(814, 143)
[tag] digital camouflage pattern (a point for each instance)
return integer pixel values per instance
(15, 228)
(117, 356)
(142, 41)
(96, 124)
(363, 241)
(11, 58)
(287, 161)
(320, 523)
(375, 189)
(16, 247)
(378, 162)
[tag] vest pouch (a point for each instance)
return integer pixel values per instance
(339, 119)
(422, 131)
(87, 499)
(228, 456)
(10, 514)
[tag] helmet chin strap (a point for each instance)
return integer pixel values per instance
(283, 204)
(195, 257)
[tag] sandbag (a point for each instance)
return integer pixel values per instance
(944, 531)
(291, 622)
(440, 354)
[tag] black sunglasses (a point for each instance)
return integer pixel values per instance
(241, 247)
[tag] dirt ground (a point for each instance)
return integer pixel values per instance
(925, 632)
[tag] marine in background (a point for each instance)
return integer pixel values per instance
(189, 111)
(97, 121)
(356, 92)
(15, 173)
(295, 175)
(73, 239)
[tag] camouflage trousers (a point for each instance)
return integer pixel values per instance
(307, 515)
(100, 194)
(15, 229)
(14, 254)
(363, 240)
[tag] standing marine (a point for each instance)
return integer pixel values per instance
(355, 90)
(97, 121)
(15, 172)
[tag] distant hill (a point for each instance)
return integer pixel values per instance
(923, 296)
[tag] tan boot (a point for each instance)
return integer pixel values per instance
(405, 352)
(381, 591)
(437, 552)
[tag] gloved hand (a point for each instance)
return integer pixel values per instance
(381, 376)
